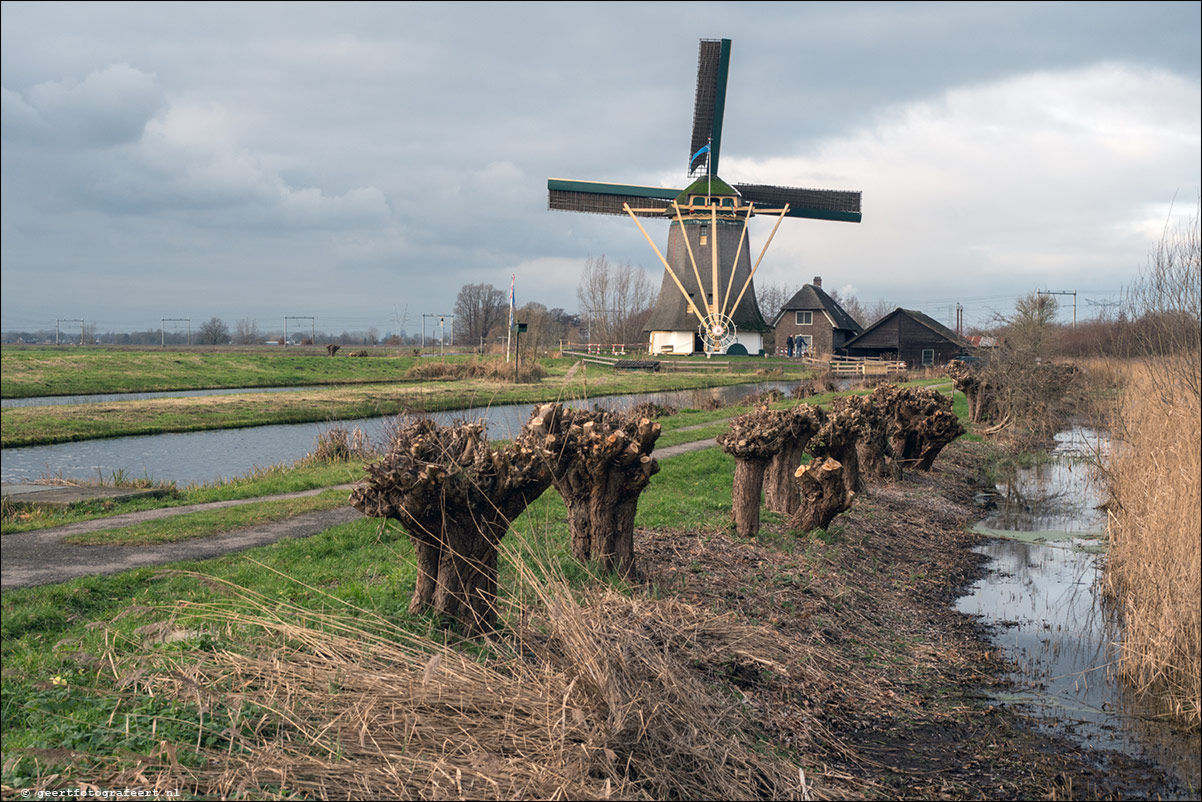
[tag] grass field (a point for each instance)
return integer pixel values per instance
(28, 371)
(35, 371)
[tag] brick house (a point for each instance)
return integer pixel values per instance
(822, 325)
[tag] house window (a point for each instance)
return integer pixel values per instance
(928, 356)
(804, 343)
(705, 231)
(805, 318)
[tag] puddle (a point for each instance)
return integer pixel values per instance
(1041, 599)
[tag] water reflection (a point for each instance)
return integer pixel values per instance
(1041, 595)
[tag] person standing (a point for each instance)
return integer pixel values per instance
(789, 345)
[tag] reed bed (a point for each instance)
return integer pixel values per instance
(592, 696)
(1153, 570)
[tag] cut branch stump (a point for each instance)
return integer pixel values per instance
(824, 495)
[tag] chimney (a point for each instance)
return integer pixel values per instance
(818, 282)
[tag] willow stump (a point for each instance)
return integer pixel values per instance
(874, 452)
(455, 496)
(780, 487)
(923, 423)
(980, 394)
(823, 495)
(838, 439)
(753, 440)
(600, 462)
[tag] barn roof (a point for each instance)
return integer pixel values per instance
(932, 324)
(815, 298)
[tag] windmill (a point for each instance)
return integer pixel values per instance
(707, 300)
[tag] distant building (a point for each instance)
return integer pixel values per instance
(815, 321)
(910, 336)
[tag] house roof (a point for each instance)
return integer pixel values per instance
(815, 298)
(932, 324)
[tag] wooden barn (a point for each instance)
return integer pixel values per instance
(910, 336)
(816, 322)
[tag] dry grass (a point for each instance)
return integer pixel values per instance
(1153, 571)
(339, 444)
(529, 371)
(593, 697)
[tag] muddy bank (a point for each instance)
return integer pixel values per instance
(893, 696)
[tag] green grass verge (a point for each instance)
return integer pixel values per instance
(209, 522)
(272, 481)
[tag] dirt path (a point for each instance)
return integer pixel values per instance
(42, 558)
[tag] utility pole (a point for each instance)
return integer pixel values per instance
(312, 326)
(1064, 292)
(68, 320)
(163, 328)
(442, 330)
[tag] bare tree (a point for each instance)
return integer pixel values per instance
(1166, 307)
(875, 311)
(215, 332)
(246, 331)
(773, 297)
(478, 308)
(373, 336)
(851, 305)
(615, 300)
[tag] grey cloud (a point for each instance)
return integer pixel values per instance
(107, 107)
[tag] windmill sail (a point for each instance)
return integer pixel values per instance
(713, 66)
(596, 197)
(816, 204)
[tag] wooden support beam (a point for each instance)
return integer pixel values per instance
(763, 251)
(697, 273)
(668, 267)
(731, 281)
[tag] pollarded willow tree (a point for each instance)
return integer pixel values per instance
(600, 462)
(981, 396)
(801, 423)
(839, 439)
(921, 424)
(753, 439)
(901, 427)
(456, 496)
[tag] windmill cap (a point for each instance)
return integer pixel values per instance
(708, 185)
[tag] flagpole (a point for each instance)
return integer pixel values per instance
(509, 331)
(709, 175)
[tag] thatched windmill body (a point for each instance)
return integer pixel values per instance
(707, 300)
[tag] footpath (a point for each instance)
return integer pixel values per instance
(42, 558)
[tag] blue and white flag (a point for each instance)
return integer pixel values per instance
(512, 280)
(704, 149)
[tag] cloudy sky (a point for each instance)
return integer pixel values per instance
(361, 162)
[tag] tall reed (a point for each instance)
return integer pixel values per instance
(1152, 573)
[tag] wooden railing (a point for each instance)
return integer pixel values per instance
(864, 366)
